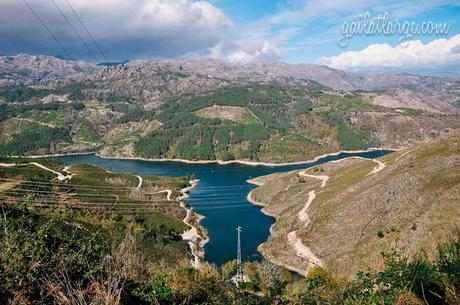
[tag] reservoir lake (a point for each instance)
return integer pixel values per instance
(220, 196)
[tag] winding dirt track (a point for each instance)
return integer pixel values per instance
(168, 193)
(192, 234)
(139, 185)
(301, 249)
(60, 176)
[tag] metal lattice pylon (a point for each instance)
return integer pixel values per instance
(239, 267)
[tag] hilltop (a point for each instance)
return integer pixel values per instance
(341, 215)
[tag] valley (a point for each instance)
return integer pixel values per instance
(346, 184)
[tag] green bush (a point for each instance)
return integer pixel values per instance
(155, 291)
(133, 115)
(34, 247)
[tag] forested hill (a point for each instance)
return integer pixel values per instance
(256, 122)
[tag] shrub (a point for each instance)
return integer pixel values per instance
(33, 247)
(318, 277)
(156, 290)
(228, 270)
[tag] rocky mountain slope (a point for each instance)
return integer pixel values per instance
(29, 69)
(208, 73)
(342, 215)
(406, 98)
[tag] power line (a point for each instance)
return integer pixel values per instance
(87, 31)
(80, 186)
(48, 30)
(239, 267)
(73, 29)
(219, 196)
(98, 198)
(89, 192)
(198, 188)
(130, 204)
(196, 199)
(86, 195)
(201, 198)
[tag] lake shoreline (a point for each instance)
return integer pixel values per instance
(195, 240)
(251, 163)
(220, 162)
(219, 249)
(263, 206)
(258, 182)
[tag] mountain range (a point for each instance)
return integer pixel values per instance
(297, 111)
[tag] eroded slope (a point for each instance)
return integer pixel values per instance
(407, 201)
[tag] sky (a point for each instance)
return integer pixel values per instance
(344, 34)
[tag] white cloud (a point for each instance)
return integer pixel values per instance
(245, 50)
(124, 28)
(322, 20)
(414, 54)
(250, 45)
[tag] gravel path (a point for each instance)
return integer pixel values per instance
(60, 176)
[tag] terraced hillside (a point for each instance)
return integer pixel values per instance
(342, 215)
(88, 188)
(94, 195)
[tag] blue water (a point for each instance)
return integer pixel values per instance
(220, 196)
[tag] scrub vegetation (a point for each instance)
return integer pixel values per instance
(97, 238)
(51, 258)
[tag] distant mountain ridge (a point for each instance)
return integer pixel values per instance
(26, 69)
(34, 66)
(29, 69)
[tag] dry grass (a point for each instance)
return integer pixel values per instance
(105, 289)
(414, 202)
(5, 186)
(227, 113)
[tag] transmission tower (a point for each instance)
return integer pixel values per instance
(239, 267)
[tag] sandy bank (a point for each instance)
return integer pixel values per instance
(247, 162)
(221, 162)
(195, 240)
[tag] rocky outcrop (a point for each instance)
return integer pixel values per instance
(26, 69)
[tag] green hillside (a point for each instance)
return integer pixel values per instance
(274, 132)
(272, 121)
